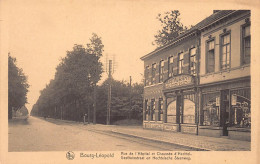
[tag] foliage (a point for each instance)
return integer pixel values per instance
(71, 90)
(120, 101)
(171, 27)
(70, 94)
(17, 87)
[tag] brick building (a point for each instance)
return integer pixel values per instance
(200, 82)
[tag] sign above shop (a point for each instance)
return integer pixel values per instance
(180, 80)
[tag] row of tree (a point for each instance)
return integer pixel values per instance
(71, 94)
(17, 86)
(75, 81)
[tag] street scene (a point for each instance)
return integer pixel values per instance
(41, 134)
(127, 78)
(53, 135)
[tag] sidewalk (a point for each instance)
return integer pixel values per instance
(187, 140)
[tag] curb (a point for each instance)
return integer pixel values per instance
(165, 142)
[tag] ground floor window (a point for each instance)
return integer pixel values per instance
(152, 109)
(189, 109)
(171, 112)
(160, 110)
(240, 113)
(210, 109)
(146, 110)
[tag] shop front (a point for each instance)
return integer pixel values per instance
(226, 109)
(180, 106)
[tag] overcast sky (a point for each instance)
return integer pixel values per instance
(40, 33)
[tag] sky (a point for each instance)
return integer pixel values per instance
(40, 33)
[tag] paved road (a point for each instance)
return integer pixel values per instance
(39, 135)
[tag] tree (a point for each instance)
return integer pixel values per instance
(120, 102)
(171, 28)
(71, 91)
(17, 87)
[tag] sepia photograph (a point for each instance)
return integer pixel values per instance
(128, 81)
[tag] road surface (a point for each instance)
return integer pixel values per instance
(37, 134)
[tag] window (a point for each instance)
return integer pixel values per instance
(180, 63)
(240, 112)
(171, 112)
(210, 63)
(160, 110)
(225, 52)
(153, 73)
(152, 109)
(146, 76)
(170, 66)
(210, 109)
(189, 109)
(193, 61)
(161, 68)
(246, 44)
(146, 110)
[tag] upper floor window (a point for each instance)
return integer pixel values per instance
(193, 61)
(246, 44)
(180, 63)
(153, 73)
(161, 68)
(225, 52)
(210, 59)
(146, 76)
(170, 66)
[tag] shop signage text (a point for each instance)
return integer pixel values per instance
(179, 81)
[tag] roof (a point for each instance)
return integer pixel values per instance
(213, 18)
(217, 15)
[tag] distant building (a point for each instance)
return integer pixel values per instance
(200, 82)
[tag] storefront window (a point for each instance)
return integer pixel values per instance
(189, 112)
(210, 110)
(240, 108)
(171, 112)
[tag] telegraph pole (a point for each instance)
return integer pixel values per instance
(95, 103)
(109, 91)
(130, 96)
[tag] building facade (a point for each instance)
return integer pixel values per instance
(200, 82)
(170, 93)
(225, 77)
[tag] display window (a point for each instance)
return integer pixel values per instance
(171, 112)
(240, 115)
(210, 109)
(189, 109)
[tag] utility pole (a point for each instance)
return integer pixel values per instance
(130, 96)
(95, 103)
(109, 92)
